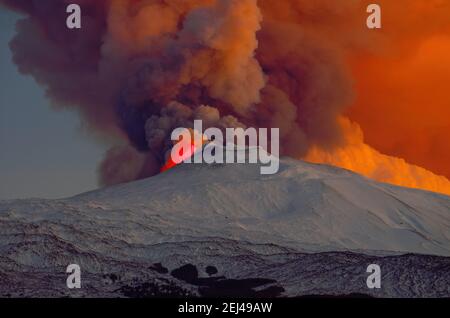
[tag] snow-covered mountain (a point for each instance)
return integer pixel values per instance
(309, 229)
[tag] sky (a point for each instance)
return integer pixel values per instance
(43, 153)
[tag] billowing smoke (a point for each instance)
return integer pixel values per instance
(159, 127)
(139, 68)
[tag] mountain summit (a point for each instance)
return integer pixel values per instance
(305, 206)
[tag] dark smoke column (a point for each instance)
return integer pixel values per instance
(138, 69)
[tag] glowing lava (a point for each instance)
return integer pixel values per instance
(170, 163)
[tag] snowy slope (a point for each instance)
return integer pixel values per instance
(243, 223)
(305, 206)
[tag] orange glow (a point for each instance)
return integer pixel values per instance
(170, 163)
(403, 105)
(358, 156)
(400, 117)
(195, 139)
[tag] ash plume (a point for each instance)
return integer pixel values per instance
(139, 68)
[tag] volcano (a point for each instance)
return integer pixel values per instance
(226, 230)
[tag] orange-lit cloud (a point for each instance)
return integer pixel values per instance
(403, 103)
(400, 75)
(358, 156)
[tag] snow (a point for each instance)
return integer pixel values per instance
(307, 207)
(312, 229)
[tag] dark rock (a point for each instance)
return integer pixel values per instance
(211, 270)
(187, 273)
(157, 267)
